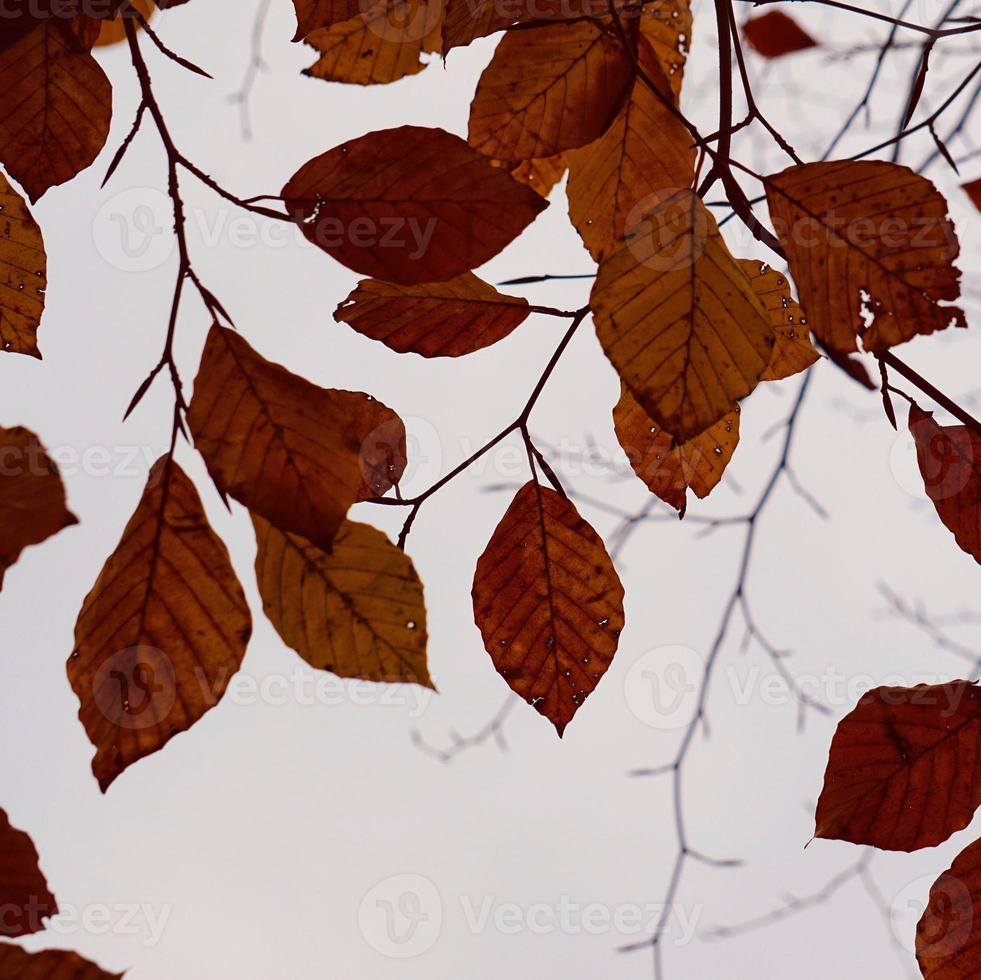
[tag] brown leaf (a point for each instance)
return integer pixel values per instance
(668, 28)
(670, 469)
(647, 150)
(679, 318)
(382, 43)
(32, 496)
(314, 14)
(51, 964)
(162, 631)
(24, 895)
(467, 20)
(793, 351)
(292, 452)
(56, 108)
(973, 190)
(548, 90)
(775, 34)
(442, 319)
(548, 603)
(904, 771)
(949, 457)
(867, 237)
(948, 935)
(23, 274)
(113, 30)
(357, 612)
(409, 205)
(541, 174)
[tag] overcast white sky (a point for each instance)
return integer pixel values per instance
(263, 843)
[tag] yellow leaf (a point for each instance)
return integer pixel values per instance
(867, 239)
(296, 454)
(793, 351)
(162, 631)
(548, 603)
(647, 150)
(357, 612)
(380, 44)
(548, 90)
(679, 318)
(668, 468)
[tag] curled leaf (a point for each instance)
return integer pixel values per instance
(357, 612)
(163, 630)
(548, 603)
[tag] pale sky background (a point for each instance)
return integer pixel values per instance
(254, 838)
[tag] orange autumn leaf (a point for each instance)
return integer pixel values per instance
(668, 468)
(679, 319)
(294, 453)
(32, 496)
(948, 935)
(667, 26)
(51, 964)
(792, 351)
(314, 14)
(647, 150)
(113, 31)
(949, 458)
(548, 603)
(409, 205)
(24, 894)
(548, 90)
(775, 34)
(163, 630)
(56, 109)
(441, 319)
(23, 274)
(904, 770)
(358, 612)
(467, 20)
(541, 174)
(382, 43)
(867, 239)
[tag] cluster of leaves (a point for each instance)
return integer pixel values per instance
(592, 91)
